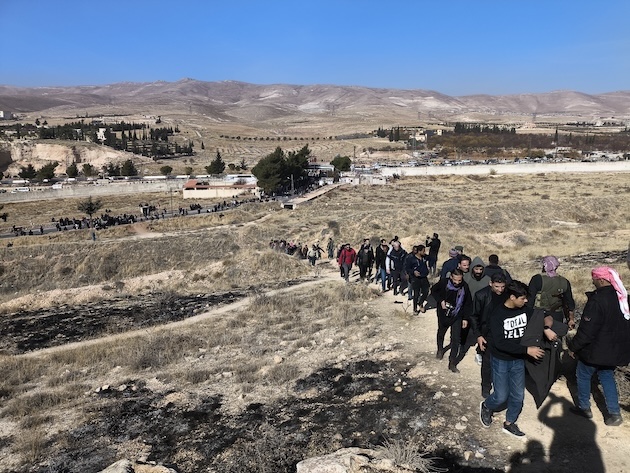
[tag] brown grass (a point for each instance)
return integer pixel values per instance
(259, 351)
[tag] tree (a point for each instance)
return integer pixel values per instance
(342, 163)
(128, 169)
(72, 170)
(217, 166)
(89, 206)
(277, 171)
(188, 170)
(27, 172)
(202, 146)
(243, 164)
(166, 170)
(88, 170)
(269, 171)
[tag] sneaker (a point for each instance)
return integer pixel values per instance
(587, 413)
(513, 429)
(614, 419)
(478, 359)
(485, 415)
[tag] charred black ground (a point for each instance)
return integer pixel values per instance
(269, 437)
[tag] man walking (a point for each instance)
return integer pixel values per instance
(433, 244)
(379, 260)
(365, 260)
(453, 310)
(395, 266)
(484, 302)
(418, 278)
(347, 256)
(552, 292)
(507, 326)
(602, 342)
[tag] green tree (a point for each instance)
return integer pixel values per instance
(270, 170)
(243, 164)
(128, 169)
(112, 169)
(277, 171)
(27, 172)
(72, 170)
(89, 170)
(188, 170)
(166, 170)
(342, 163)
(89, 206)
(217, 166)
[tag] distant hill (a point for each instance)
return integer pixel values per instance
(239, 101)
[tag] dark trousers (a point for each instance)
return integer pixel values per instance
(444, 323)
(345, 269)
(420, 289)
(399, 281)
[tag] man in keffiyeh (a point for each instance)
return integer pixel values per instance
(552, 292)
(602, 342)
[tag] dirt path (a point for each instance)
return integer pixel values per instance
(556, 440)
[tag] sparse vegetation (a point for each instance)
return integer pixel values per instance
(257, 353)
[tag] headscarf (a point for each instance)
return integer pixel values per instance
(452, 253)
(550, 264)
(612, 276)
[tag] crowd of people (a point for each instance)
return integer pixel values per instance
(515, 328)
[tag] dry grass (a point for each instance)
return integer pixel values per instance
(259, 351)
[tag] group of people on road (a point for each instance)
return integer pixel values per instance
(516, 328)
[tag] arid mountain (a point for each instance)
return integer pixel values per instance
(239, 101)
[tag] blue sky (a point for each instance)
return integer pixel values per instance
(451, 46)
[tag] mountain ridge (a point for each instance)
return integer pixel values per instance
(236, 98)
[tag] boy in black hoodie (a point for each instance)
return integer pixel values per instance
(507, 327)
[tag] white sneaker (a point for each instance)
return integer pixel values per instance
(478, 359)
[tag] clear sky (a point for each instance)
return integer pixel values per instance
(457, 47)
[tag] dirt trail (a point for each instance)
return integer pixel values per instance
(557, 441)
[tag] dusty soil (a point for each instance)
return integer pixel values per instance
(396, 388)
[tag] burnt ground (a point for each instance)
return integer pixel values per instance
(264, 437)
(27, 331)
(322, 416)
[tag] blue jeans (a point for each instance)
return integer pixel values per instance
(508, 379)
(606, 375)
(382, 275)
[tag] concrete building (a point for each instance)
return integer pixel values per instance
(5, 115)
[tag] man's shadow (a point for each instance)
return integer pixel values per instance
(573, 447)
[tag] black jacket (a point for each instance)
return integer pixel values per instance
(440, 292)
(603, 337)
(483, 303)
(381, 256)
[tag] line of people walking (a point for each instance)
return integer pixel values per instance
(517, 329)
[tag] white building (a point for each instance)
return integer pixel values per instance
(4, 115)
